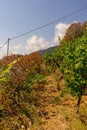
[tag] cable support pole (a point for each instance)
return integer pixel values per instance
(40, 27)
(8, 46)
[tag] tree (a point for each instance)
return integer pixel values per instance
(72, 32)
(83, 27)
(71, 58)
(18, 79)
(74, 67)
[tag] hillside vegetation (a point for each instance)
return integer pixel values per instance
(49, 92)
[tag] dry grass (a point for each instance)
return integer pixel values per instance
(60, 115)
(51, 114)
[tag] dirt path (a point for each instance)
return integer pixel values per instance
(49, 112)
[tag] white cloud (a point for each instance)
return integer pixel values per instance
(17, 49)
(3, 51)
(36, 43)
(60, 30)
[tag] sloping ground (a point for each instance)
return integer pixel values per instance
(47, 109)
(57, 116)
(48, 112)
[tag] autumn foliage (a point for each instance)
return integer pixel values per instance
(17, 79)
(74, 30)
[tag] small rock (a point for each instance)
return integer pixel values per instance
(22, 127)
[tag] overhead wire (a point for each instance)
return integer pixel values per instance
(45, 25)
(50, 23)
(3, 45)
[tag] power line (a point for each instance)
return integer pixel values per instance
(41, 27)
(3, 45)
(50, 23)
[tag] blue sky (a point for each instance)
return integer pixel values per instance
(18, 16)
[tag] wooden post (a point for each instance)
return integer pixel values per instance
(8, 46)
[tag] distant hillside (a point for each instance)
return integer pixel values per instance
(42, 52)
